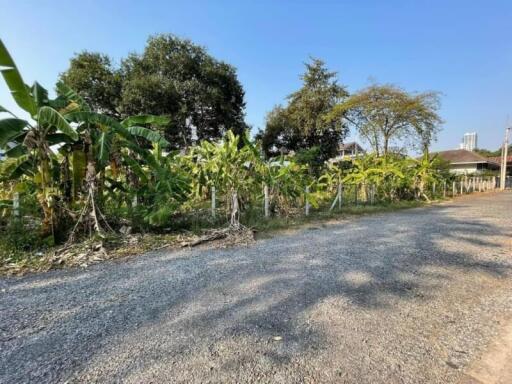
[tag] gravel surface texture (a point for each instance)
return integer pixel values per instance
(413, 296)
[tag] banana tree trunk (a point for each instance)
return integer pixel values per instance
(45, 199)
(90, 181)
(66, 183)
(422, 191)
(235, 211)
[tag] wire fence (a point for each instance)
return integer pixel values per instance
(345, 195)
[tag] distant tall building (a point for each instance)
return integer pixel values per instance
(469, 141)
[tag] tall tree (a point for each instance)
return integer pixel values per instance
(386, 114)
(302, 126)
(172, 77)
(178, 78)
(96, 80)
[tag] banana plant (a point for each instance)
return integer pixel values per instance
(229, 167)
(164, 186)
(383, 172)
(66, 147)
(424, 172)
(30, 142)
(109, 144)
(286, 181)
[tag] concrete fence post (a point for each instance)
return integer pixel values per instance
(16, 205)
(307, 200)
(213, 202)
(266, 203)
(454, 190)
(337, 199)
(340, 195)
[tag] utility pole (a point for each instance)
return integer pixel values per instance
(504, 153)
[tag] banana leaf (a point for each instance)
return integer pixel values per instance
(145, 119)
(19, 90)
(9, 128)
(49, 116)
(148, 134)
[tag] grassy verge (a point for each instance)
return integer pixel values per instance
(267, 226)
(14, 261)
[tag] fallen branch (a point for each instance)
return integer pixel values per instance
(203, 239)
(234, 234)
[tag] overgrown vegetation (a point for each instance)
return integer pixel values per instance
(81, 171)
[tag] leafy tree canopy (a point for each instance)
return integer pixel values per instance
(386, 114)
(301, 126)
(96, 80)
(489, 153)
(173, 77)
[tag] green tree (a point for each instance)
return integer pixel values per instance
(178, 78)
(172, 77)
(386, 114)
(302, 126)
(489, 153)
(96, 80)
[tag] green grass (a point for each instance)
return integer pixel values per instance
(267, 225)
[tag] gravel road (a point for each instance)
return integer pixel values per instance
(413, 296)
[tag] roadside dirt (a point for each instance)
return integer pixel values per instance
(495, 365)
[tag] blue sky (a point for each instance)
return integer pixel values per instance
(460, 48)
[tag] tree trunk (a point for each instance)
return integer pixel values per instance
(385, 146)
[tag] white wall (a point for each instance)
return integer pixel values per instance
(464, 169)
